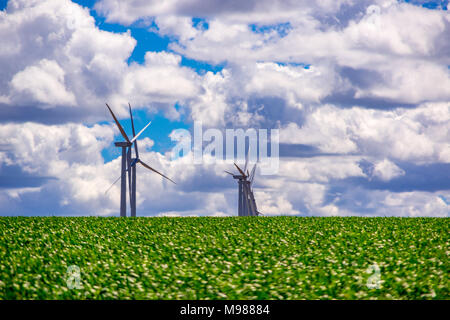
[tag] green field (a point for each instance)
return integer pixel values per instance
(224, 258)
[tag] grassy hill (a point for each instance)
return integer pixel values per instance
(224, 258)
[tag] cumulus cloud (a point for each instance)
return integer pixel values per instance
(364, 84)
(71, 155)
(386, 170)
(295, 83)
(54, 56)
(419, 134)
(57, 57)
(398, 43)
(43, 83)
(161, 80)
(415, 204)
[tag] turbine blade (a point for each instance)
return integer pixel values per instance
(132, 122)
(118, 124)
(252, 175)
(246, 157)
(134, 133)
(252, 200)
(135, 137)
(150, 168)
(229, 173)
(113, 184)
(242, 172)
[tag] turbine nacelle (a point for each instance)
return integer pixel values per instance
(123, 144)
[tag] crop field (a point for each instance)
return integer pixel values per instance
(224, 258)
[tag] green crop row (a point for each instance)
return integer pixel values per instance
(224, 258)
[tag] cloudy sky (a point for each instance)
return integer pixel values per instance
(359, 89)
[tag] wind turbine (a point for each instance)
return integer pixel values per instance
(247, 203)
(129, 165)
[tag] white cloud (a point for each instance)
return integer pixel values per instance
(60, 58)
(173, 25)
(384, 28)
(63, 60)
(320, 169)
(410, 82)
(398, 42)
(274, 205)
(43, 83)
(387, 170)
(38, 147)
(72, 155)
(211, 105)
(419, 134)
(413, 204)
(259, 11)
(53, 55)
(295, 83)
(161, 81)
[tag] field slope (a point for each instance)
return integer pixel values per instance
(224, 258)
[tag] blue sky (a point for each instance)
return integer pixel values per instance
(358, 90)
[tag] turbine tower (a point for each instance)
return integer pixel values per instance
(247, 203)
(129, 165)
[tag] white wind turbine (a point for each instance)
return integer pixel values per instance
(129, 165)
